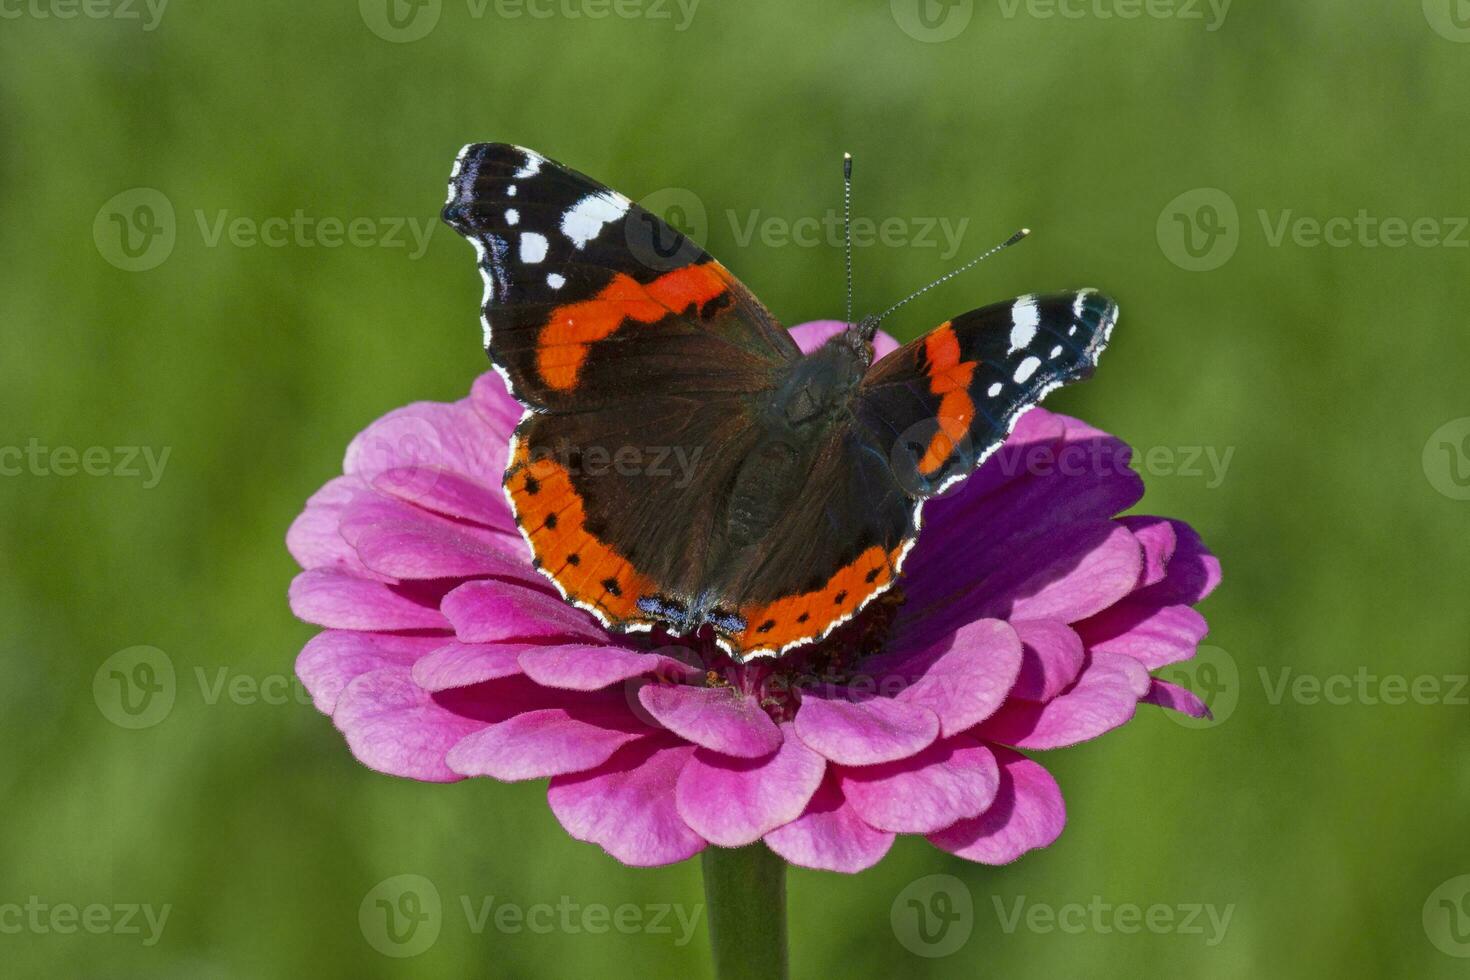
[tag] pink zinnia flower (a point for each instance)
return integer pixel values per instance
(1028, 618)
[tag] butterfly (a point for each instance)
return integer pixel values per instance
(680, 463)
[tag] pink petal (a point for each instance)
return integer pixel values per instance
(342, 601)
(495, 405)
(853, 731)
(733, 802)
(1028, 813)
(1155, 637)
(1068, 575)
(397, 539)
(1176, 698)
(945, 783)
(548, 742)
(315, 537)
(1192, 574)
(830, 836)
(965, 680)
(457, 496)
(489, 611)
(627, 805)
(810, 336)
(588, 668)
(1156, 536)
(1104, 697)
(1052, 658)
(720, 719)
(394, 726)
(333, 659)
(419, 442)
(456, 664)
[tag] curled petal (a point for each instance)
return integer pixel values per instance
(488, 611)
(720, 719)
(945, 783)
(1053, 657)
(1176, 698)
(342, 601)
(830, 836)
(733, 802)
(863, 732)
(626, 805)
(1028, 813)
(1105, 696)
(966, 677)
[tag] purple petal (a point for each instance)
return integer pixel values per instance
(945, 783)
(810, 336)
(1028, 813)
(457, 496)
(588, 668)
(1176, 698)
(627, 805)
(548, 742)
(830, 836)
(1192, 574)
(397, 539)
(1154, 637)
(489, 611)
(333, 659)
(419, 442)
(1069, 575)
(394, 726)
(1157, 538)
(342, 601)
(456, 664)
(966, 677)
(1105, 696)
(734, 802)
(853, 731)
(1052, 658)
(315, 537)
(495, 405)
(720, 719)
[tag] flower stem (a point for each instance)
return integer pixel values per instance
(745, 900)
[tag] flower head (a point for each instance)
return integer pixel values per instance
(1029, 617)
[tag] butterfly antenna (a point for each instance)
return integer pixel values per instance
(870, 324)
(847, 225)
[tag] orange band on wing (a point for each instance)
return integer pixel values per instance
(552, 513)
(949, 378)
(572, 329)
(786, 621)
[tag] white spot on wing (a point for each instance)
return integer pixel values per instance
(533, 163)
(993, 390)
(1056, 352)
(510, 191)
(556, 280)
(512, 216)
(1026, 368)
(584, 221)
(1025, 318)
(533, 247)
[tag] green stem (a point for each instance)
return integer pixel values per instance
(745, 901)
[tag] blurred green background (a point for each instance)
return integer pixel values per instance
(1176, 161)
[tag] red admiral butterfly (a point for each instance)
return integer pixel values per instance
(626, 342)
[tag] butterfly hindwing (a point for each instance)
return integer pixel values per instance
(591, 299)
(944, 402)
